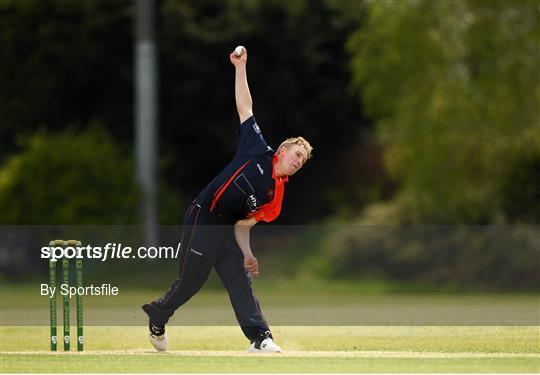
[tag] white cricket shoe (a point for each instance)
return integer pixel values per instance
(158, 338)
(264, 345)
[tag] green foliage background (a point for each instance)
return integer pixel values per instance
(454, 90)
(454, 87)
(423, 112)
(73, 177)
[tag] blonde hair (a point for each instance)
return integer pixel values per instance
(300, 141)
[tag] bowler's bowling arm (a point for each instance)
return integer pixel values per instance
(244, 104)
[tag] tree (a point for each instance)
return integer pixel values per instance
(64, 64)
(454, 88)
(73, 178)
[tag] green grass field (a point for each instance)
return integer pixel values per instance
(346, 330)
(306, 349)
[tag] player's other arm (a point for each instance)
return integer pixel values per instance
(244, 104)
(241, 233)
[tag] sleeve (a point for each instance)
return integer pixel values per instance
(250, 139)
(258, 215)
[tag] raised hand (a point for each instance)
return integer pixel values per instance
(239, 61)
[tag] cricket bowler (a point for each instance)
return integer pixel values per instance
(217, 224)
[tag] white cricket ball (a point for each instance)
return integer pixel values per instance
(239, 51)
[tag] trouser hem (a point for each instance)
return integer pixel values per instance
(157, 316)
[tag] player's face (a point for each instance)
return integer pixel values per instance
(292, 159)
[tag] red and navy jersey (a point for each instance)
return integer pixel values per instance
(247, 186)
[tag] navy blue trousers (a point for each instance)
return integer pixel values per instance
(205, 244)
